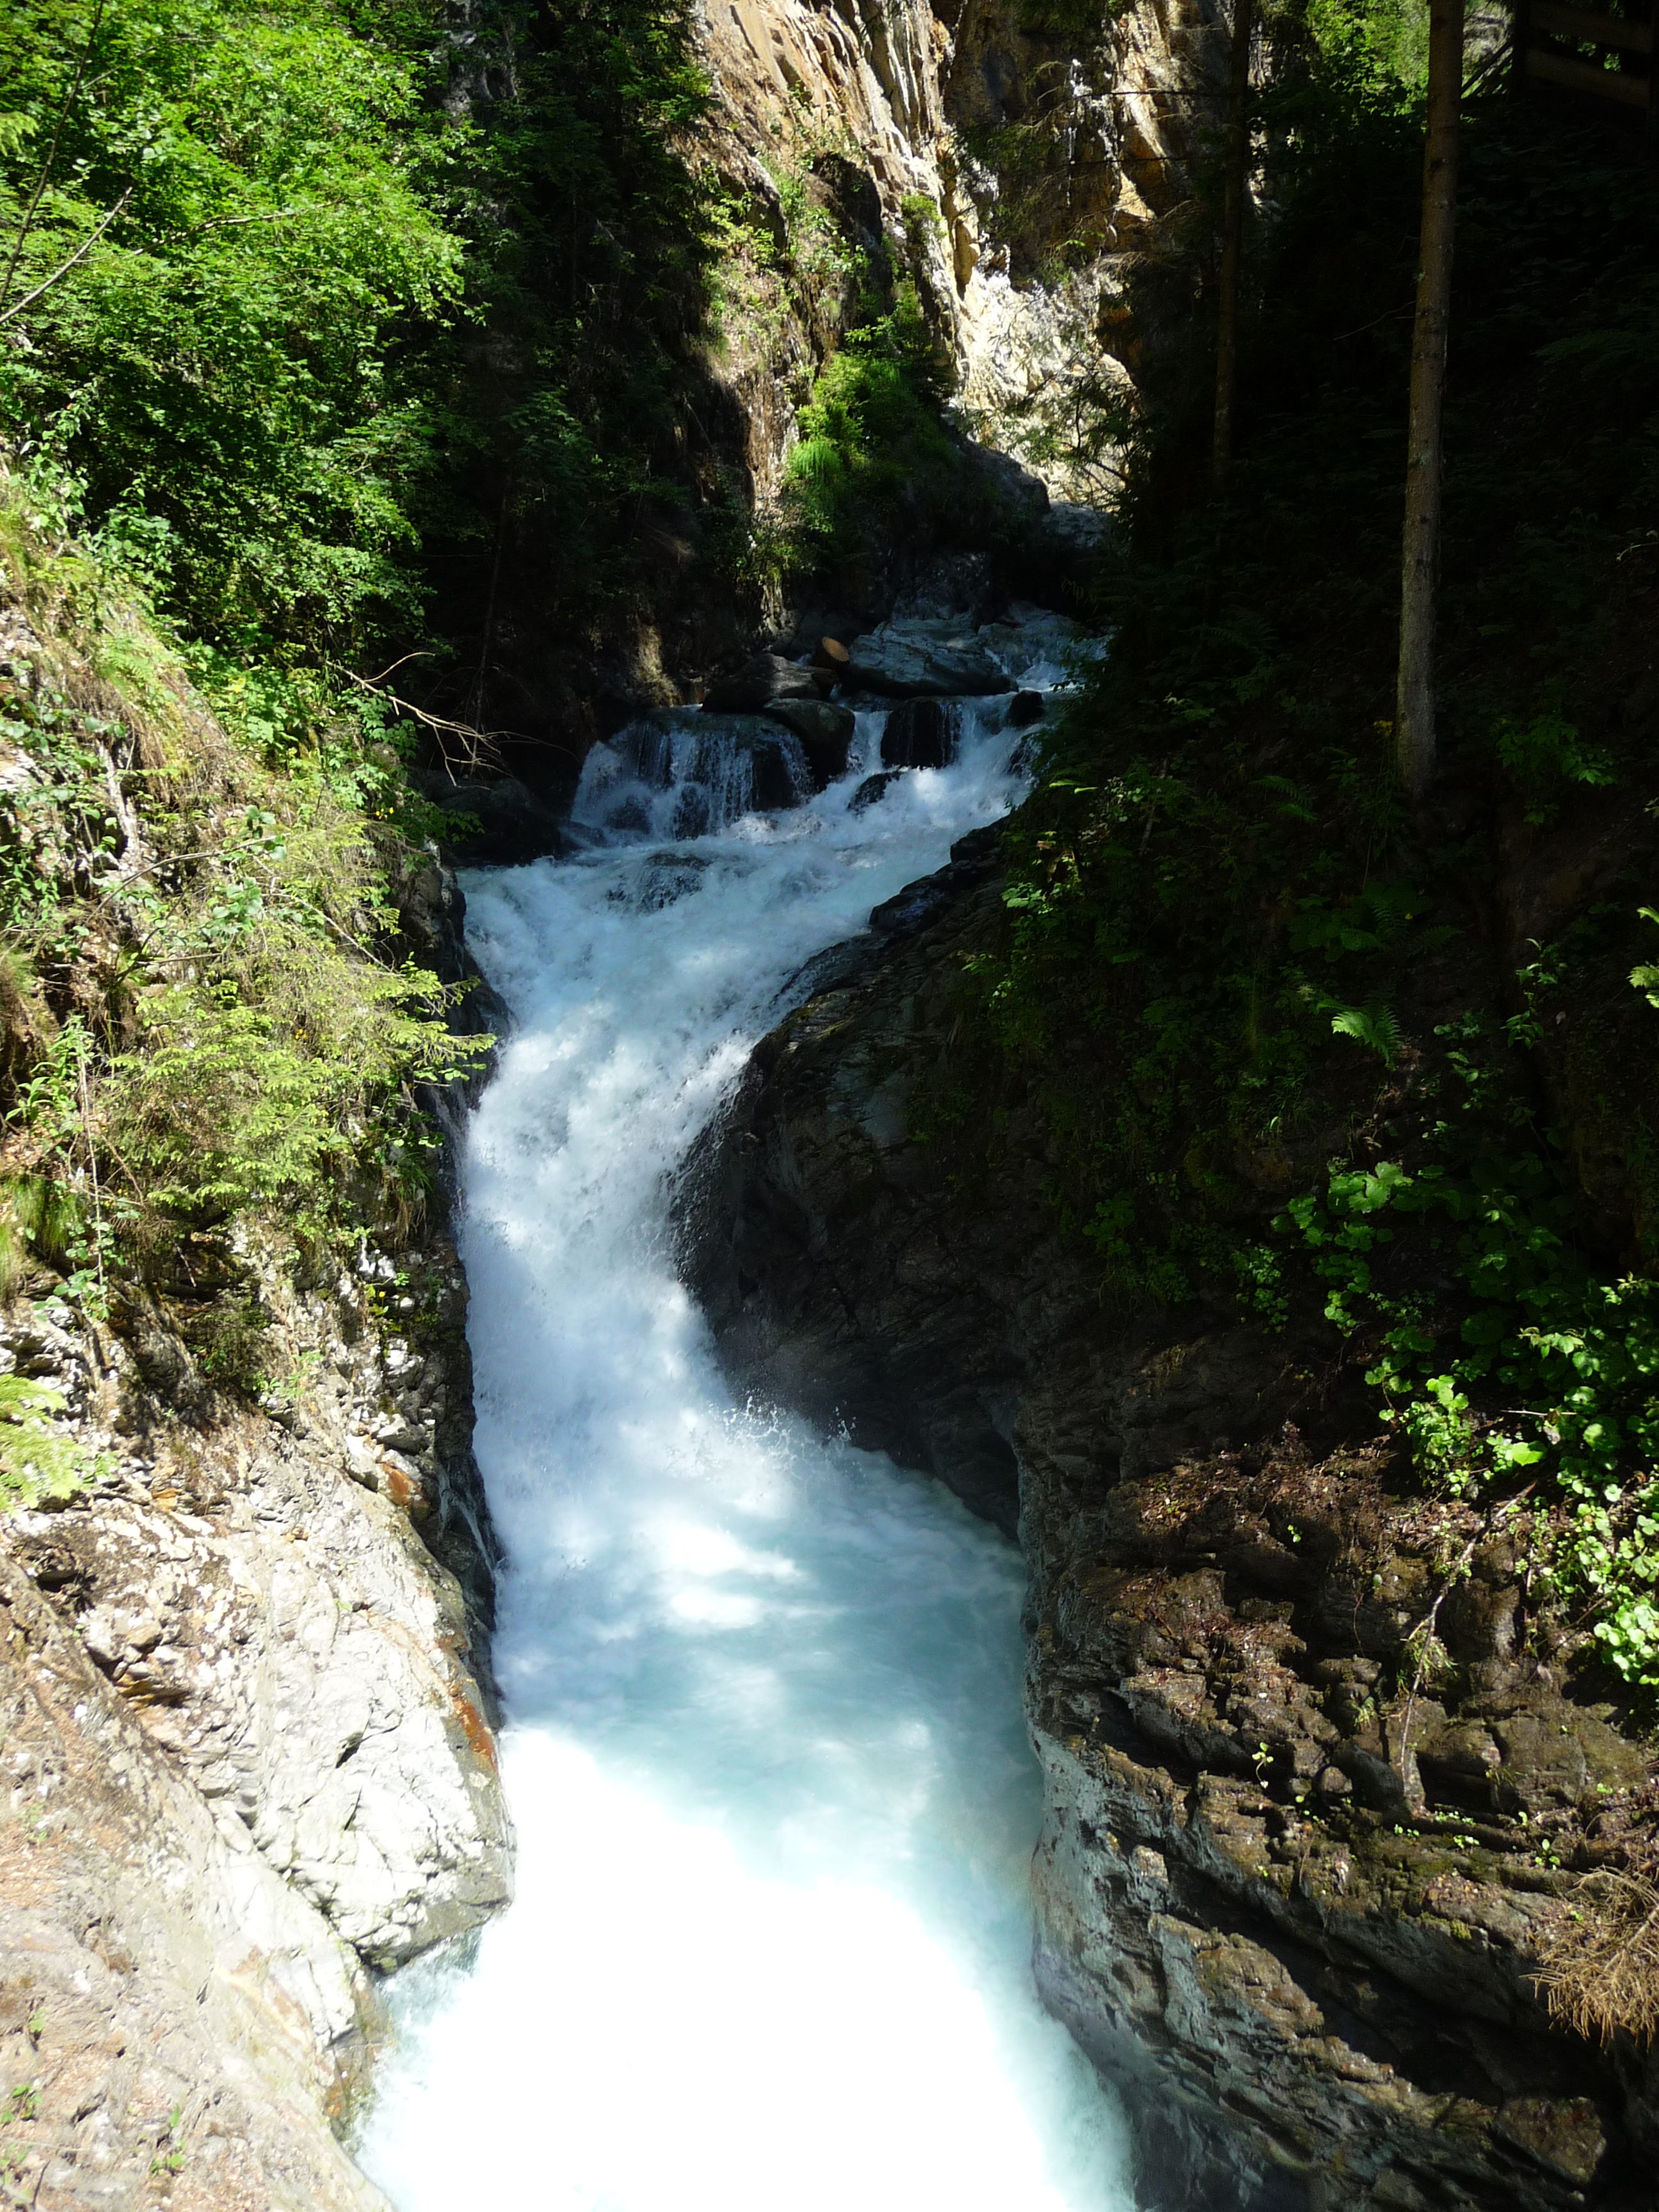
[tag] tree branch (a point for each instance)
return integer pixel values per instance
(63, 268)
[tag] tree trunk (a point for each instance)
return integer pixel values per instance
(1414, 736)
(1235, 189)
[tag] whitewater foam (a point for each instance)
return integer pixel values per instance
(765, 1754)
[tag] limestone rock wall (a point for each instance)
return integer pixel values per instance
(248, 1761)
(1016, 173)
(175, 2020)
(258, 1590)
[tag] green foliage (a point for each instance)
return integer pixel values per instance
(1541, 1366)
(219, 222)
(1543, 756)
(872, 441)
(1645, 976)
(205, 1024)
(921, 216)
(374, 307)
(1383, 45)
(36, 1459)
(1373, 1026)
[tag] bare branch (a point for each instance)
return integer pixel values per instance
(479, 746)
(63, 268)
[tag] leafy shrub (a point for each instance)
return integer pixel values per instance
(37, 1459)
(205, 1029)
(870, 437)
(218, 220)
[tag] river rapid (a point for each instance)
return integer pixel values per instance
(764, 1749)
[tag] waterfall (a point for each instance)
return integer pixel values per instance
(770, 1951)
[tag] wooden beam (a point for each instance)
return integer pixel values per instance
(1583, 23)
(1584, 76)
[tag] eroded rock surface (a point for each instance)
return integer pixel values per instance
(176, 2022)
(1294, 1887)
(260, 1593)
(248, 1759)
(920, 93)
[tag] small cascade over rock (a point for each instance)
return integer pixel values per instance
(682, 773)
(766, 739)
(920, 733)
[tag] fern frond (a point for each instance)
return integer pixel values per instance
(1373, 1026)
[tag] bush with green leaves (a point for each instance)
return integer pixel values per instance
(207, 1029)
(218, 226)
(38, 1457)
(872, 440)
(1534, 1384)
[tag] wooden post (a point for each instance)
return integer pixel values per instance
(1520, 41)
(1414, 731)
(1236, 182)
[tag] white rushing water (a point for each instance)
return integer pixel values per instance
(765, 1754)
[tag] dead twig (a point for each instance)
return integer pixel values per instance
(481, 746)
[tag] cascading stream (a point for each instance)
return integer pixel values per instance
(765, 1751)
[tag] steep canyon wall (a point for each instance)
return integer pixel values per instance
(1021, 168)
(1294, 1895)
(248, 1761)
(1015, 165)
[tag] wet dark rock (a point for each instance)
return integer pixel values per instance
(777, 786)
(959, 587)
(1020, 497)
(853, 198)
(825, 731)
(920, 733)
(873, 789)
(498, 823)
(759, 685)
(665, 878)
(1024, 709)
(695, 748)
(1286, 1895)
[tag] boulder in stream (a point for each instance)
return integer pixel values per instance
(762, 680)
(917, 659)
(920, 733)
(825, 732)
(873, 789)
(496, 823)
(1032, 642)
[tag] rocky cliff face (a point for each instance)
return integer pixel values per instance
(1294, 1892)
(248, 1757)
(1020, 166)
(1016, 164)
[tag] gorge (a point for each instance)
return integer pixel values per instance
(719, 1028)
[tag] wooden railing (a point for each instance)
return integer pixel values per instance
(1537, 62)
